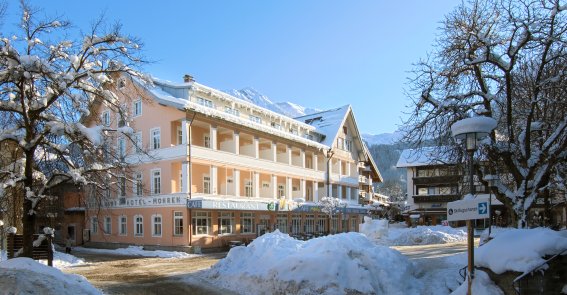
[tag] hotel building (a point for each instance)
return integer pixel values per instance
(219, 169)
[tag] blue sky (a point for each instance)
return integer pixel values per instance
(318, 54)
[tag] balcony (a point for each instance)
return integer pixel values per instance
(435, 180)
(436, 198)
(364, 195)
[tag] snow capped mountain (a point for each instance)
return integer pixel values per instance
(382, 138)
(289, 109)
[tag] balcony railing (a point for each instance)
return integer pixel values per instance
(436, 198)
(432, 180)
(362, 179)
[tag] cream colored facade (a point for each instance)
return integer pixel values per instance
(220, 169)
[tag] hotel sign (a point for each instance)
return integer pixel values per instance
(141, 202)
(228, 205)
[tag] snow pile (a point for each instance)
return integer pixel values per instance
(379, 232)
(62, 260)
(137, 251)
(374, 229)
(426, 235)
(336, 264)
(26, 276)
(481, 285)
(520, 250)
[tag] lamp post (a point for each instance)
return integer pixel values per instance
(1, 237)
(470, 130)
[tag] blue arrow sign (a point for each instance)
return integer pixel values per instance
(482, 208)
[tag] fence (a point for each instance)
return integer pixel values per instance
(43, 251)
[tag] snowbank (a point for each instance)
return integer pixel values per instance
(62, 260)
(336, 264)
(520, 250)
(26, 276)
(481, 285)
(137, 251)
(379, 232)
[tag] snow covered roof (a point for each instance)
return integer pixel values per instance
(425, 156)
(327, 122)
(167, 99)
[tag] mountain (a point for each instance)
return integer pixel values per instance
(382, 138)
(289, 109)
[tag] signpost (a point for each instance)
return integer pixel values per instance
(477, 208)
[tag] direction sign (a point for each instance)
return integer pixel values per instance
(477, 208)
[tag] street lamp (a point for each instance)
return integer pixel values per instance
(1, 237)
(470, 130)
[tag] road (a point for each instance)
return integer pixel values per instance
(115, 274)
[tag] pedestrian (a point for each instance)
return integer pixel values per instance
(68, 245)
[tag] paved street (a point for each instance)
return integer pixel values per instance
(115, 274)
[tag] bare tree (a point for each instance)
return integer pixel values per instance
(48, 87)
(508, 60)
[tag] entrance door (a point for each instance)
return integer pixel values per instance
(71, 234)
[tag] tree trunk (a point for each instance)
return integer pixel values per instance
(28, 216)
(28, 221)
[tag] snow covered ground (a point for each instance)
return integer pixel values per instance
(382, 233)
(137, 251)
(26, 276)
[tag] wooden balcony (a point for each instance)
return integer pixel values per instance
(435, 180)
(436, 198)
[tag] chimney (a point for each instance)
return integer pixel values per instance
(188, 78)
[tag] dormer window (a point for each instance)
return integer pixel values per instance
(121, 83)
(205, 102)
(276, 125)
(232, 111)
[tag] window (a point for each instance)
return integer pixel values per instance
(309, 226)
(265, 184)
(179, 135)
(201, 223)
(205, 102)
(156, 182)
(207, 141)
(107, 225)
(255, 119)
(137, 185)
(247, 222)
(348, 145)
(295, 224)
(431, 191)
(177, 223)
(155, 135)
(138, 225)
(422, 191)
(137, 138)
(122, 230)
(276, 125)
(121, 147)
(445, 190)
(94, 225)
(281, 190)
(248, 188)
(122, 186)
(180, 181)
(137, 108)
(106, 118)
(321, 222)
(226, 221)
(232, 111)
(293, 131)
(206, 185)
(121, 83)
(340, 143)
(282, 222)
(156, 225)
